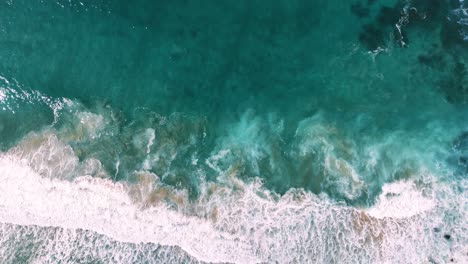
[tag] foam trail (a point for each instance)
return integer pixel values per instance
(246, 226)
(152, 136)
(45, 184)
(104, 207)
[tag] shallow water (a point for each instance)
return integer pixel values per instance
(242, 132)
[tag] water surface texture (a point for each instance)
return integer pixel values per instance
(190, 131)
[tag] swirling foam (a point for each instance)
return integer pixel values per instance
(234, 221)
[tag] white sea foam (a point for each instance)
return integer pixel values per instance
(2, 95)
(46, 155)
(245, 224)
(105, 207)
(12, 95)
(346, 178)
(231, 221)
(90, 124)
(401, 200)
(151, 136)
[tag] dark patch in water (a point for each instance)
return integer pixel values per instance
(423, 15)
(434, 58)
(430, 8)
(431, 60)
(360, 10)
(455, 87)
(388, 15)
(372, 37)
(450, 36)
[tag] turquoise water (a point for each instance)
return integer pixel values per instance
(233, 131)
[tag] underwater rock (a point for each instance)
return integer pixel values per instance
(388, 15)
(373, 34)
(434, 58)
(450, 35)
(423, 15)
(371, 37)
(360, 10)
(455, 87)
(447, 236)
(431, 60)
(430, 8)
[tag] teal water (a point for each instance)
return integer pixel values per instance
(234, 131)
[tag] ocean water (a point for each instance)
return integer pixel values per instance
(189, 131)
